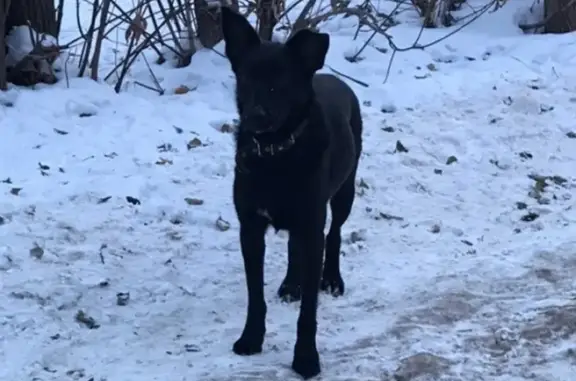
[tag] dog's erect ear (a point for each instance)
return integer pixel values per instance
(239, 35)
(309, 48)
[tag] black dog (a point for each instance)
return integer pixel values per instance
(297, 148)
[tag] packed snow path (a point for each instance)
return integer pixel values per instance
(119, 253)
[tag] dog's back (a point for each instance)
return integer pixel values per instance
(341, 110)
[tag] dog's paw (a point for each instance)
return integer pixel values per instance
(332, 284)
(247, 346)
(289, 292)
(306, 364)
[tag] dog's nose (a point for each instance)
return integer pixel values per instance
(258, 111)
(256, 114)
(256, 120)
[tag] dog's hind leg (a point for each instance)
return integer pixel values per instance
(290, 290)
(341, 205)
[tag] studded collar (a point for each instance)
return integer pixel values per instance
(259, 149)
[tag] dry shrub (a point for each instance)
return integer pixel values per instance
(436, 13)
(29, 44)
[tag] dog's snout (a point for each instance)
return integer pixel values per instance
(258, 111)
(256, 119)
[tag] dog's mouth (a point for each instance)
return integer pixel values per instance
(263, 131)
(259, 126)
(259, 131)
(261, 123)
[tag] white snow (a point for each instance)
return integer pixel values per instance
(21, 41)
(459, 275)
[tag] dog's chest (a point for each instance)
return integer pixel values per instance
(264, 213)
(278, 216)
(280, 206)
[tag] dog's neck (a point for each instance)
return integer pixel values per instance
(250, 146)
(270, 144)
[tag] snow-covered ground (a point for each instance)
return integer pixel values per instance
(119, 252)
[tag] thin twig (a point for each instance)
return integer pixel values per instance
(99, 38)
(348, 77)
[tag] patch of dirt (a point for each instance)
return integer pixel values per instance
(549, 275)
(421, 366)
(525, 345)
(553, 323)
(447, 309)
(497, 344)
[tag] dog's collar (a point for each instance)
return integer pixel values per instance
(259, 149)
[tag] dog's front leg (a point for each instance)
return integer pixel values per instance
(310, 241)
(289, 290)
(252, 235)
